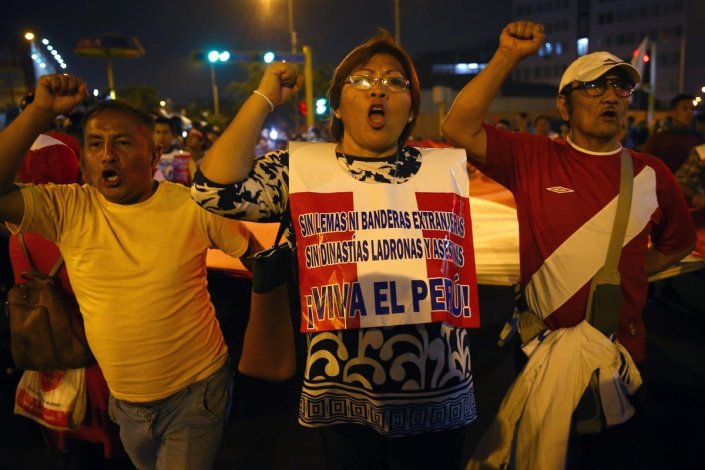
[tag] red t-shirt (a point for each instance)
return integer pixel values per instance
(558, 189)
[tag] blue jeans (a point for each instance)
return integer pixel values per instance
(182, 431)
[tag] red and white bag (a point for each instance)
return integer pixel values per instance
(56, 399)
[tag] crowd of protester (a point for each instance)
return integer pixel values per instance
(389, 395)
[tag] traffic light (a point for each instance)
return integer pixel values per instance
(302, 108)
(321, 106)
(214, 56)
(267, 57)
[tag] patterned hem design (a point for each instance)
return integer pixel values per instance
(397, 416)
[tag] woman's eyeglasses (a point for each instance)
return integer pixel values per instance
(595, 88)
(365, 82)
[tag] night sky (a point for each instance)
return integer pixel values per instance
(170, 31)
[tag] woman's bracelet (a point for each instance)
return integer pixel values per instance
(269, 102)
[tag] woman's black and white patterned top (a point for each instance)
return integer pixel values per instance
(399, 380)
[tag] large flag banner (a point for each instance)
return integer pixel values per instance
(382, 254)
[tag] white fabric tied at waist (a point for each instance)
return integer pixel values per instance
(532, 426)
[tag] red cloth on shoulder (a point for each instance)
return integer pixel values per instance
(53, 158)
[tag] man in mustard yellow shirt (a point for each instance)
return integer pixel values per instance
(135, 250)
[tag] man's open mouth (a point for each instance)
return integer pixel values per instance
(110, 178)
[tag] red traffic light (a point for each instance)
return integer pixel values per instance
(302, 108)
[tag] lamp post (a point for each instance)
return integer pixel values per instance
(397, 23)
(292, 32)
(213, 57)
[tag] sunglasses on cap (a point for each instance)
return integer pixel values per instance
(622, 87)
(365, 82)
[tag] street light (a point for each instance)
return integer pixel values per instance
(213, 57)
(292, 32)
(397, 23)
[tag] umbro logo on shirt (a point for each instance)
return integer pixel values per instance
(560, 189)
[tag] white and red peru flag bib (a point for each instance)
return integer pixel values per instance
(382, 254)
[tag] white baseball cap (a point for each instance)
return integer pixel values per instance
(592, 66)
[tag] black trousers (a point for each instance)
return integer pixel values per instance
(352, 446)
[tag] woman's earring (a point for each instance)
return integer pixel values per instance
(411, 118)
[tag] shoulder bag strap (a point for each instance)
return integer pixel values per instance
(32, 267)
(609, 273)
(57, 266)
(624, 204)
(283, 224)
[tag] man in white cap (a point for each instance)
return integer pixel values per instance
(566, 190)
(561, 187)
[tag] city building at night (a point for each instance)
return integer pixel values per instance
(672, 28)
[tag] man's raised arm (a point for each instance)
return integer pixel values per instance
(54, 95)
(463, 124)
